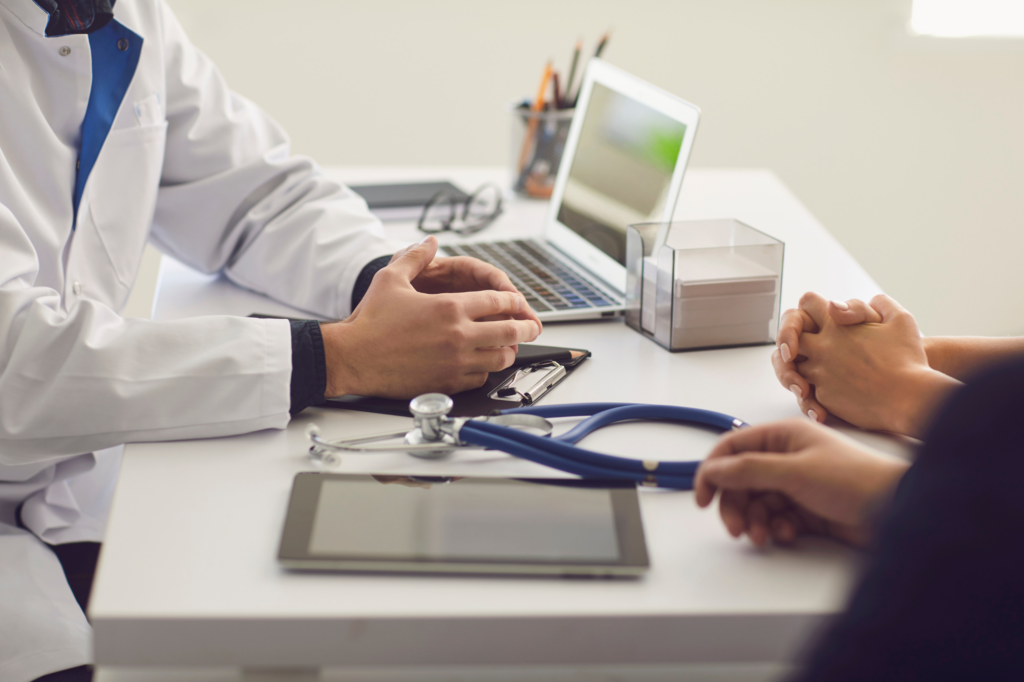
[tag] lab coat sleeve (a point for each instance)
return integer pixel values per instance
(234, 199)
(84, 379)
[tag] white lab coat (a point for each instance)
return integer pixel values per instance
(208, 177)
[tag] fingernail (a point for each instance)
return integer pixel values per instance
(796, 391)
(813, 415)
(786, 354)
(539, 329)
(521, 304)
(424, 240)
(842, 305)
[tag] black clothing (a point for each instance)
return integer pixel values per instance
(309, 367)
(942, 596)
(68, 17)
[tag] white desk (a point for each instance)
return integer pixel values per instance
(188, 575)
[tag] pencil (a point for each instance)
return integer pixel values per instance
(601, 43)
(538, 106)
(557, 93)
(538, 103)
(569, 100)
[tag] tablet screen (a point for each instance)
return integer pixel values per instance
(469, 521)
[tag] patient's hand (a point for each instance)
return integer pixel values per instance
(874, 375)
(783, 480)
(794, 323)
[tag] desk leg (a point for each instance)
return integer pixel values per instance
(281, 674)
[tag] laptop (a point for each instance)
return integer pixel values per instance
(624, 161)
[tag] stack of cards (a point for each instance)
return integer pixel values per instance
(719, 298)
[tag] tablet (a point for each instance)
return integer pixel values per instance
(361, 523)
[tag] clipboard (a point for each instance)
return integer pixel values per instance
(531, 377)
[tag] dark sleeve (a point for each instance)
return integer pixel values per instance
(309, 366)
(942, 595)
(366, 277)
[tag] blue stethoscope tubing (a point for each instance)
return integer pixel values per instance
(561, 452)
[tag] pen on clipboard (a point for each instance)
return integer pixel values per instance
(563, 355)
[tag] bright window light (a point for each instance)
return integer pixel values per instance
(963, 18)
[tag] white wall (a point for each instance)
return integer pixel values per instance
(911, 154)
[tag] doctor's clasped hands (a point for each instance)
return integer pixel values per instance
(427, 324)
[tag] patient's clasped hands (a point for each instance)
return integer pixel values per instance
(866, 364)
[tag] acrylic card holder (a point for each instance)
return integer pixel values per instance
(712, 284)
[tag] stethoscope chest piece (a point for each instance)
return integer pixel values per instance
(434, 434)
(429, 412)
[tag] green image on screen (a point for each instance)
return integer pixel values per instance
(621, 171)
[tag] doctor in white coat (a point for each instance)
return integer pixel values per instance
(114, 129)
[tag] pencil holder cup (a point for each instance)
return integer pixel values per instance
(711, 284)
(538, 140)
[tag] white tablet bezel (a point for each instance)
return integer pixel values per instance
(558, 234)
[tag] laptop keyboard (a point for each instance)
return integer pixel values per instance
(546, 283)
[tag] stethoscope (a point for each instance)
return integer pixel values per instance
(435, 434)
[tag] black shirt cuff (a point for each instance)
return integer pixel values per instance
(366, 277)
(309, 363)
(309, 366)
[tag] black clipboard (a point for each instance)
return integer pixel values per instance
(477, 402)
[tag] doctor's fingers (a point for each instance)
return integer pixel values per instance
(465, 382)
(794, 323)
(490, 359)
(853, 311)
(479, 305)
(473, 274)
(406, 264)
(500, 333)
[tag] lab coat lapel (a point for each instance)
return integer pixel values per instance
(115, 54)
(123, 141)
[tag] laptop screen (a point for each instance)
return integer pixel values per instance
(621, 171)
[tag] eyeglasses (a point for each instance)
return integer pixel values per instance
(477, 211)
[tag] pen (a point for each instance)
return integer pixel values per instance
(528, 356)
(559, 104)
